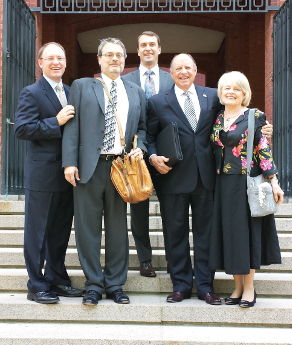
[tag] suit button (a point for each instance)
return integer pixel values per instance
(99, 149)
(101, 132)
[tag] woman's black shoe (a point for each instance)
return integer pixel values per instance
(232, 301)
(247, 304)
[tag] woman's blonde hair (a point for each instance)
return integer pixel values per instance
(239, 80)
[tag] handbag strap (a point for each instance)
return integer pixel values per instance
(250, 138)
(123, 142)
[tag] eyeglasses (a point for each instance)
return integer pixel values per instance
(111, 55)
(52, 58)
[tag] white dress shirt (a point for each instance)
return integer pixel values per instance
(53, 85)
(194, 97)
(155, 76)
(122, 110)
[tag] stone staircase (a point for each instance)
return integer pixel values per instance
(148, 319)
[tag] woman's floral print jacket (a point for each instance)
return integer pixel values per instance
(235, 147)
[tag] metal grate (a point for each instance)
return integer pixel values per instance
(152, 6)
(18, 71)
(282, 100)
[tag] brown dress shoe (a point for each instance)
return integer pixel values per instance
(210, 298)
(177, 296)
(146, 269)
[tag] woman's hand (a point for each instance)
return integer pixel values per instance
(278, 193)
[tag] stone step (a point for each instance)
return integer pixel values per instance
(148, 309)
(13, 257)
(17, 207)
(14, 238)
(266, 284)
(16, 222)
(45, 333)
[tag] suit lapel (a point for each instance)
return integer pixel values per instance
(203, 100)
(173, 102)
(99, 93)
(162, 80)
(50, 94)
(131, 97)
(136, 76)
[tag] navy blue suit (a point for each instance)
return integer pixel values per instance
(48, 196)
(140, 211)
(190, 182)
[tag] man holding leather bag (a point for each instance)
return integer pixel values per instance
(90, 144)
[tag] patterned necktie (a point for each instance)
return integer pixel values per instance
(190, 111)
(110, 121)
(149, 84)
(62, 96)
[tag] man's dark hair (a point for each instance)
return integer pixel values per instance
(149, 33)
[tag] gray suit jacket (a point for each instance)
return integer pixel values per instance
(165, 80)
(83, 135)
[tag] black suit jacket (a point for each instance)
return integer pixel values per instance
(36, 122)
(198, 154)
(165, 80)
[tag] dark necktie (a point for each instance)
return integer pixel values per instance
(62, 96)
(110, 121)
(149, 84)
(190, 111)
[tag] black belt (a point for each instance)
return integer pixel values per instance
(108, 157)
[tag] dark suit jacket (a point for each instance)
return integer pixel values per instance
(83, 135)
(165, 80)
(196, 147)
(36, 122)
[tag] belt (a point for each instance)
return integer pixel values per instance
(108, 157)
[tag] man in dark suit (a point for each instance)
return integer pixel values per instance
(149, 48)
(39, 119)
(91, 141)
(189, 182)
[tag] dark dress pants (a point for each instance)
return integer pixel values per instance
(48, 222)
(91, 200)
(140, 218)
(177, 229)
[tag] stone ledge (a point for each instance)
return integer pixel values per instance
(127, 334)
(148, 308)
(271, 284)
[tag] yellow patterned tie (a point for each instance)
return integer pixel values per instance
(62, 96)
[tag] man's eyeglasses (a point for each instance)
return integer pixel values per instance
(111, 55)
(52, 58)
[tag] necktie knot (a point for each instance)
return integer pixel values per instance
(187, 93)
(149, 72)
(59, 87)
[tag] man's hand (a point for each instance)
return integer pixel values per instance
(159, 164)
(65, 114)
(71, 175)
(267, 130)
(135, 153)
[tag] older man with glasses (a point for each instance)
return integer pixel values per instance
(91, 142)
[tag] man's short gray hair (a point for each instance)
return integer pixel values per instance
(104, 41)
(189, 55)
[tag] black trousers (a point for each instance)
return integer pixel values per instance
(176, 211)
(140, 218)
(48, 221)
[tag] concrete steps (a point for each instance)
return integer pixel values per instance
(148, 319)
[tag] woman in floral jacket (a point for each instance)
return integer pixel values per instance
(240, 244)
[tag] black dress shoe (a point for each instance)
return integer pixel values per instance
(118, 296)
(67, 291)
(210, 298)
(146, 269)
(45, 297)
(247, 304)
(232, 301)
(91, 297)
(177, 296)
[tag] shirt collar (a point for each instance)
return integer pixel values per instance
(52, 82)
(180, 92)
(108, 81)
(155, 69)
